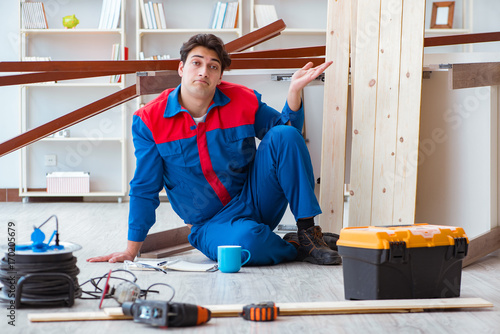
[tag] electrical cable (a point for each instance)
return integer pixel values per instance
(40, 287)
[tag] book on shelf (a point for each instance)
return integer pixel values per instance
(118, 52)
(33, 15)
(265, 14)
(153, 15)
(110, 14)
(224, 15)
(155, 57)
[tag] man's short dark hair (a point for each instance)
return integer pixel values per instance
(210, 42)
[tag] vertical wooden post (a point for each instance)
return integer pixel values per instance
(335, 116)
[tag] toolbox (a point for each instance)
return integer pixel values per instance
(402, 262)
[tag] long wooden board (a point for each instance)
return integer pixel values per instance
(365, 71)
(412, 53)
(333, 154)
(292, 309)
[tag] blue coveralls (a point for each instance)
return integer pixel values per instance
(216, 179)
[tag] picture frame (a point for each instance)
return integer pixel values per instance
(442, 15)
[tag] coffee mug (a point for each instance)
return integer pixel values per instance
(229, 258)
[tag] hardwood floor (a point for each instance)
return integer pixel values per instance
(101, 228)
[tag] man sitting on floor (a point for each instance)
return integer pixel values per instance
(198, 142)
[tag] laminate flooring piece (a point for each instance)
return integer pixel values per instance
(102, 227)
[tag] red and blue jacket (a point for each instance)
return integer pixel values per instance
(202, 167)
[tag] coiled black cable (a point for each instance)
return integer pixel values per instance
(39, 286)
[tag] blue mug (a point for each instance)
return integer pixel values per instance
(229, 258)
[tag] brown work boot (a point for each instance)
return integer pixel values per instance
(314, 249)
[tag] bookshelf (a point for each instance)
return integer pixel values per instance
(97, 145)
(184, 18)
(305, 20)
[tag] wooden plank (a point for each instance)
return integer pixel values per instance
(256, 37)
(405, 176)
(462, 39)
(474, 75)
(107, 66)
(28, 78)
(294, 309)
(173, 237)
(308, 51)
(359, 306)
(67, 120)
(482, 245)
(387, 112)
(156, 82)
(365, 59)
(335, 99)
(166, 251)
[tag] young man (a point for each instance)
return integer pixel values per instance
(198, 142)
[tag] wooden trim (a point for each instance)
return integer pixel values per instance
(462, 39)
(474, 75)
(64, 121)
(482, 245)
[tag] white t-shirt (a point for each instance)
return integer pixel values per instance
(200, 119)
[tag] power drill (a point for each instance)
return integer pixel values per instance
(165, 314)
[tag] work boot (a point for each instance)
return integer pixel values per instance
(330, 239)
(314, 249)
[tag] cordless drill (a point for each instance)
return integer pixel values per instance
(165, 314)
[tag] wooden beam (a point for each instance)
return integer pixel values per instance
(309, 51)
(156, 82)
(462, 39)
(114, 66)
(29, 78)
(474, 75)
(166, 243)
(241, 63)
(482, 245)
(335, 99)
(67, 120)
(256, 37)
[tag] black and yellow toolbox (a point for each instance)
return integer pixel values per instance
(402, 262)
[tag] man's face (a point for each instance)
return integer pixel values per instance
(201, 73)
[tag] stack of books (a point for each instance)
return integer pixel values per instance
(265, 14)
(119, 53)
(224, 15)
(110, 14)
(34, 15)
(153, 15)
